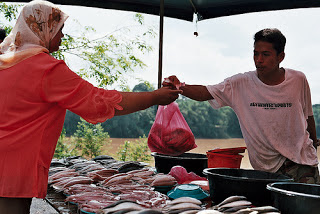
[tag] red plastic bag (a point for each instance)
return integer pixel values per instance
(170, 133)
(181, 175)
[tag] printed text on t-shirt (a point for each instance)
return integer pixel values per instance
(271, 105)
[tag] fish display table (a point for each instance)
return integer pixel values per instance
(56, 200)
(96, 184)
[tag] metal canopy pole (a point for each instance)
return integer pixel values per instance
(160, 43)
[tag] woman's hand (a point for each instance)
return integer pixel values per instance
(166, 95)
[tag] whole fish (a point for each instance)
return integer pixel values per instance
(149, 211)
(185, 200)
(235, 209)
(190, 212)
(231, 199)
(176, 208)
(265, 209)
(246, 211)
(126, 206)
(234, 204)
(209, 212)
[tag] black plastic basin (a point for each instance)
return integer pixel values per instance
(297, 198)
(225, 182)
(192, 162)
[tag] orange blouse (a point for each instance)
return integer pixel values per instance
(35, 94)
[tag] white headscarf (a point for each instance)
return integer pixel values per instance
(37, 24)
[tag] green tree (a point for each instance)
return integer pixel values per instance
(110, 58)
(8, 13)
(135, 151)
(316, 115)
(142, 87)
(203, 120)
(133, 125)
(127, 126)
(90, 138)
(233, 126)
(70, 123)
(62, 149)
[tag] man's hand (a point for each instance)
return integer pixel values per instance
(173, 82)
(194, 92)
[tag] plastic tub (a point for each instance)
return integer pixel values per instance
(217, 160)
(225, 158)
(188, 190)
(297, 198)
(229, 151)
(225, 182)
(192, 162)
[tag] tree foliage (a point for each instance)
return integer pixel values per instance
(8, 13)
(135, 151)
(111, 58)
(133, 125)
(203, 120)
(90, 138)
(143, 86)
(316, 115)
(63, 149)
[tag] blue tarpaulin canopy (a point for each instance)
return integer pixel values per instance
(184, 9)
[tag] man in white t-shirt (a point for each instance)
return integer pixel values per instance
(273, 105)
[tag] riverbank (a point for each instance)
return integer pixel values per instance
(203, 145)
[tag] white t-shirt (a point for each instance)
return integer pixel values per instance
(272, 118)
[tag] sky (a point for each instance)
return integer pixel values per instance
(224, 46)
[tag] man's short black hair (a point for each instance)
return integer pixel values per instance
(2, 34)
(273, 36)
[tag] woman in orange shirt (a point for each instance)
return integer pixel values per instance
(35, 92)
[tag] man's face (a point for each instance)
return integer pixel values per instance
(266, 58)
